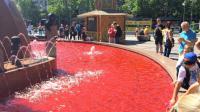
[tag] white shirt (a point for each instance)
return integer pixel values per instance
(194, 71)
(180, 61)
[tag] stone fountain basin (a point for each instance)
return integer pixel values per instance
(16, 79)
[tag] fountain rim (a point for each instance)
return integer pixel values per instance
(152, 56)
(26, 66)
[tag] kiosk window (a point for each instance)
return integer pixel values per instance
(92, 24)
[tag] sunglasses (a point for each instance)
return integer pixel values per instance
(189, 63)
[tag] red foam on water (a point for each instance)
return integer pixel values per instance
(129, 83)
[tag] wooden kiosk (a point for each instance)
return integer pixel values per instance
(97, 23)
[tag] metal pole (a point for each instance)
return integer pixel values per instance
(184, 14)
(184, 11)
(191, 16)
(70, 15)
(191, 12)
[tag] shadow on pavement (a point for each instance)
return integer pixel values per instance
(176, 59)
(134, 42)
(174, 54)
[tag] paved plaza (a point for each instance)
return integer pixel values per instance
(132, 42)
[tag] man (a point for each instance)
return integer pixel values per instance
(61, 31)
(187, 36)
(78, 30)
(188, 74)
(158, 36)
(73, 33)
(118, 33)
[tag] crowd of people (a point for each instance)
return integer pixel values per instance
(163, 35)
(75, 32)
(188, 66)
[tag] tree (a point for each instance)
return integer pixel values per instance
(29, 10)
(162, 8)
(68, 9)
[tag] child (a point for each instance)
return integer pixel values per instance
(187, 49)
(189, 100)
(187, 76)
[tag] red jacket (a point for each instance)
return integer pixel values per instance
(111, 32)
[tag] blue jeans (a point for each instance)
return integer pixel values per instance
(117, 40)
(167, 51)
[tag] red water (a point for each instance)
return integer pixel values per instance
(128, 82)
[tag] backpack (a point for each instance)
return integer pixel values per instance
(186, 80)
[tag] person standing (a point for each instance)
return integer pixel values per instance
(78, 30)
(84, 35)
(61, 31)
(118, 34)
(187, 36)
(137, 32)
(72, 33)
(30, 28)
(40, 28)
(66, 32)
(112, 32)
(169, 40)
(159, 37)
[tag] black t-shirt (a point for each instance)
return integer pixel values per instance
(158, 31)
(141, 32)
(61, 29)
(119, 31)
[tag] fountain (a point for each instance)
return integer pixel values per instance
(18, 68)
(11, 22)
(107, 79)
(1, 60)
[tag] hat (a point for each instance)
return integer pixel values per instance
(190, 103)
(190, 57)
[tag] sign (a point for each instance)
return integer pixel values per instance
(92, 24)
(131, 25)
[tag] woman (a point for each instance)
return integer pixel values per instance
(112, 32)
(169, 40)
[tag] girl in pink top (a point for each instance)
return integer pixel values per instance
(112, 32)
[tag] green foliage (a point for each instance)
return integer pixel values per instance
(64, 9)
(69, 9)
(162, 8)
(30, 11)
